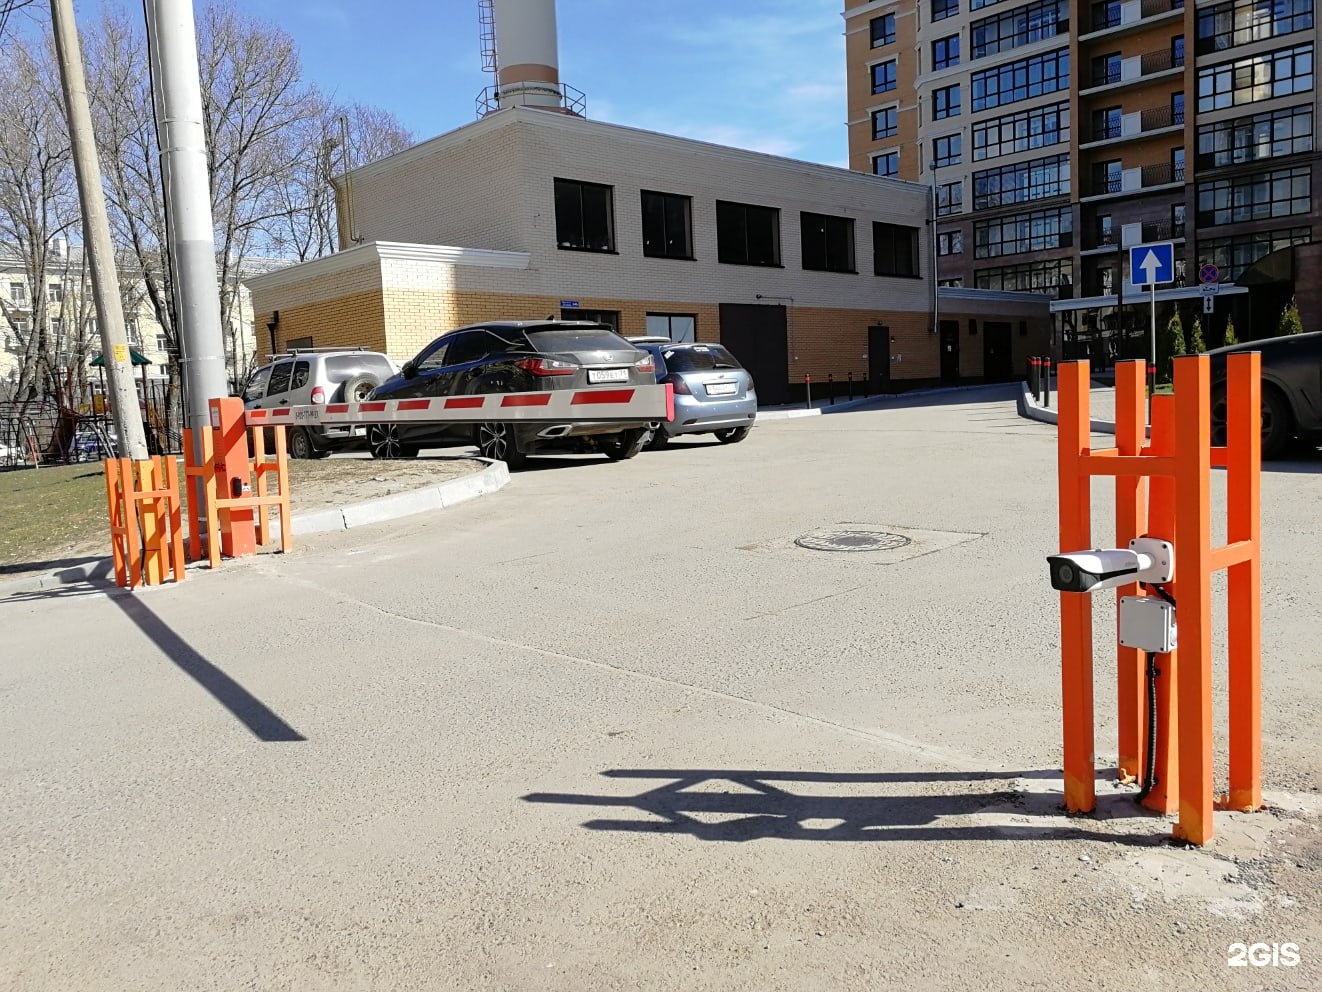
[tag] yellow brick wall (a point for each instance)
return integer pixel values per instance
(339, 309)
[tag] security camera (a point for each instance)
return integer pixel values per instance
(1145, 560)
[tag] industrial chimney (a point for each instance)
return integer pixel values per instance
(520, 46)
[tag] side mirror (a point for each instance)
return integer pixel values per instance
(409, 370)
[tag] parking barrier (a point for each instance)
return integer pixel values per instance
(1163, 490)
(146, 520)
(807, 391)
(830, 387)
(226, 468)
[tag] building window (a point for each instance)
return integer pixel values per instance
(945, 102)
(56, 327)
(678, 327)
(1105, 231)
(883, 76)
(1039, 230)
(1028, 129)
(162, 343)
(1226, 25)
(886, 164)
(18, 292)
(1021, 80)
(894, 250)
(1235, 254)
(1107, 177)
(949, 198)
(611, 318)
(883, 30)
(1106, 69)
(945, 52)
(584, 216)
(1177, 108)
(947, 150)
(1020, 26)
(1031, 277)
(1107, 14)
(747, 234)
(1177, 220)
(1022, 182)
(1257, 196)
(828, 243)
(1257, 77)
(1177, 50)
(1177, 164)
(950, 242)
(130, 330)
(1105, 123)
(21, 328)
(1270, 134)
(55, 293)
(667, 225)
(941, 9)
(954, 282)
(885, 123)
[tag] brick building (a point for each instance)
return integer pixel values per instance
(527, 213)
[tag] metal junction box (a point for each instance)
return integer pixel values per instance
(1147, 623)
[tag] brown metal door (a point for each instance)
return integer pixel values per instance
(756, 335)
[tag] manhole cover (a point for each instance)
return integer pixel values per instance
(851, 540)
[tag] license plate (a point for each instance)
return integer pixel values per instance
(608, 375)
(721, 388)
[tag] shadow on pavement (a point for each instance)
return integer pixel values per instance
(751, 807)
(22, 567)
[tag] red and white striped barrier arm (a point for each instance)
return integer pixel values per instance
(601, 404)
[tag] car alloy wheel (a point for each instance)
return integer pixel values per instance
(497, 442)
(383, 441)
(733, 436)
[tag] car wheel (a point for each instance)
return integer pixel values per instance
(624, 445)
(1277, 423)
(359, 388)
(659, 439)
(498, 442)
(300, 445)
(383, 441)
(733, 436)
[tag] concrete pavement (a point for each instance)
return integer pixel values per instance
(611, 728)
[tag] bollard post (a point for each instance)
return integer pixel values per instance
(807, 387)
(233, 476)
(851, 385)
(1046, 383)
(830, 387)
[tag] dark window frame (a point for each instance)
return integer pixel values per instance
(895, 251)
(891, 116)
(885, 76)
(1255, 196)
(945, 52)
(946, 102)
(664, 201)
(888, 157)
(730, 214)
(1268, 134)
(1023, 79)
(1022, 182)
(1020, 233)
(1021, 26)
(565, 210)
(948, 150)
(1040, 127)
(1227, 25)
(941, 9)
(1235, 83)
(950, 198)
(1042, 276)
(827, 242)
(881, 30)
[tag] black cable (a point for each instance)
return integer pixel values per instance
(1150, 764)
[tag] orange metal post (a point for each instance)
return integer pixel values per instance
(1244, 498)
(282, 480)
(233, 472)
(1075, 611)
(146, 478)
(259, 480)
(1193, 549)
(176, 519)
(1130, 519)
(1161, 524)
(118, 532)
(132, 539)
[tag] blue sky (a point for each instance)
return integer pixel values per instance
(760, 74)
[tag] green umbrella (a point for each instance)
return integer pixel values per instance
(139, 359)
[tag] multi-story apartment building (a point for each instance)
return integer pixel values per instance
(1054, 135)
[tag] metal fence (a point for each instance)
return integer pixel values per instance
(39, 433)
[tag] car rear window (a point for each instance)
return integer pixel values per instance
(554, 339)
(699, 358)
(341, 368)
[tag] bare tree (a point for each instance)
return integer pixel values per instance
(38, 204)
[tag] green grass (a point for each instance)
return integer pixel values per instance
(52, 513)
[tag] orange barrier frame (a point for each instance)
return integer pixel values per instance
(261, 469)
(146, 520)
(1163, 489)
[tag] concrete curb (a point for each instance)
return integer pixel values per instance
(786, 414)
(441, 496)
(1032, 410)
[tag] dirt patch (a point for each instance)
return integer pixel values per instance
(54, 518)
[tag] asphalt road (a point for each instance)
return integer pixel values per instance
(610, 728)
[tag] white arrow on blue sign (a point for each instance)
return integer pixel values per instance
(1152, 264)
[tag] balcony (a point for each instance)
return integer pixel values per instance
(1163, 230)
(1160, 118)
(1163, 174)
(1134, 70)
(1117, 17)
(1135, 125)
(1124, 182)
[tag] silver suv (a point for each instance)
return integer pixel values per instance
(317, 375)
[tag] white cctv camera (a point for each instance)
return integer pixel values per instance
(1145, 560)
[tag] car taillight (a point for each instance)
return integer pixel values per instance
(546, 366)
(645, 364)
(681, 387)
(318, 394)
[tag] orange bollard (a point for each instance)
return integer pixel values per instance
(1244, 497)
(1075, 610)
(1193, 545)
(1130, 515)
(233, 476)
(1161, 524)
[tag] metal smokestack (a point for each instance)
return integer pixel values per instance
(527, 53)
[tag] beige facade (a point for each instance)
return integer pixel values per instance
(464, 228)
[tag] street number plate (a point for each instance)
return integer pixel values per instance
(608, 375)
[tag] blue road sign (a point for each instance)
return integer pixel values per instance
(1152, 264)
(569, 304)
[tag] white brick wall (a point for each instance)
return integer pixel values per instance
(491, 185)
